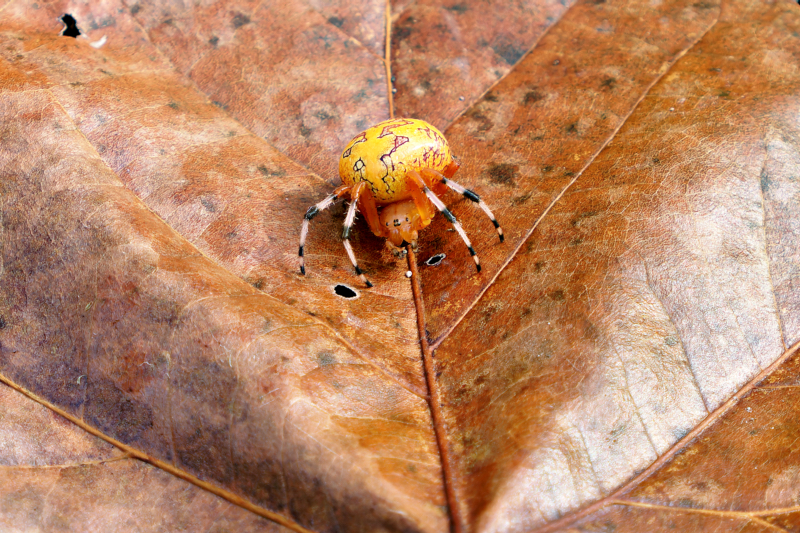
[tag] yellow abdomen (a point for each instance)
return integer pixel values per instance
(386, 152)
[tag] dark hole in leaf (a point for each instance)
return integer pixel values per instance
(72, 26)
(435, 260)
(345, 292)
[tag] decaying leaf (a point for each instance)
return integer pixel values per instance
(625, 361)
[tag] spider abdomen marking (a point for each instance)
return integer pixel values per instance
(398, 166)
(385, 153)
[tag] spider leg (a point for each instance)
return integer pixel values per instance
(355, 195)
(470, 195)
(417, 181)
(366, 203)
(313, 211)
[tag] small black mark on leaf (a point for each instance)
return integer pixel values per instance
(510, 53)
(214, 41)
(336, 21)
(609, 83)
(326, 359)
(345, 292)
(208, 204)
(271, 173)
(531, 97)
(765, 182)
(239, 20)
(135, 9)
(504, 173)
(72, 26)
(458, 8)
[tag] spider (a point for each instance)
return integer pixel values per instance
(399, 165)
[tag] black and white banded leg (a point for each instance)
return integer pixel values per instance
(417, 179)
(348, 224)
(468, 194)
(311, 213)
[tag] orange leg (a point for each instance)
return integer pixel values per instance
(366, 203)
(417, 191)
(434, 180)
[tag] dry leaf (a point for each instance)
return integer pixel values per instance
(625, 361)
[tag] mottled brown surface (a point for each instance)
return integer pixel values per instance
(648, 296)
(184, 360)
(598, 375)
(56, 477)
(447, 54)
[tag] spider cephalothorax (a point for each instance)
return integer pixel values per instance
(399, 166)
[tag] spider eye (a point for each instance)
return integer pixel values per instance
(387, 223)
(406, 219)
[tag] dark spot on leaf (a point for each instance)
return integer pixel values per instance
(173, 105)
(484, 124)
(345, 292)
(72, 26)
(304, 131)
(2, 322)
(458, 8)
(765, 182)
(558, 295)
(208, 204)
(504, 173)
(336, 21)
(491, 97)
(213, 41)
(578, 219)
(258, 284)
(239, 20)
(572, 128)
(403, 30)
(220, 105)
(519, 200)
(703, 5)
(271, 173)
(531, 97)
(609, 83)
(510, 53)
(326, 359)
(724, 94)
(135, 9)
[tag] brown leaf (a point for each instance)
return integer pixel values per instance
(56, 477)
(624, 358)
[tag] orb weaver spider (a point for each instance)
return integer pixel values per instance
(399, 165)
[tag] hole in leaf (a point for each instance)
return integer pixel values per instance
(435, 260)
(72, 26)
(345, 292)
